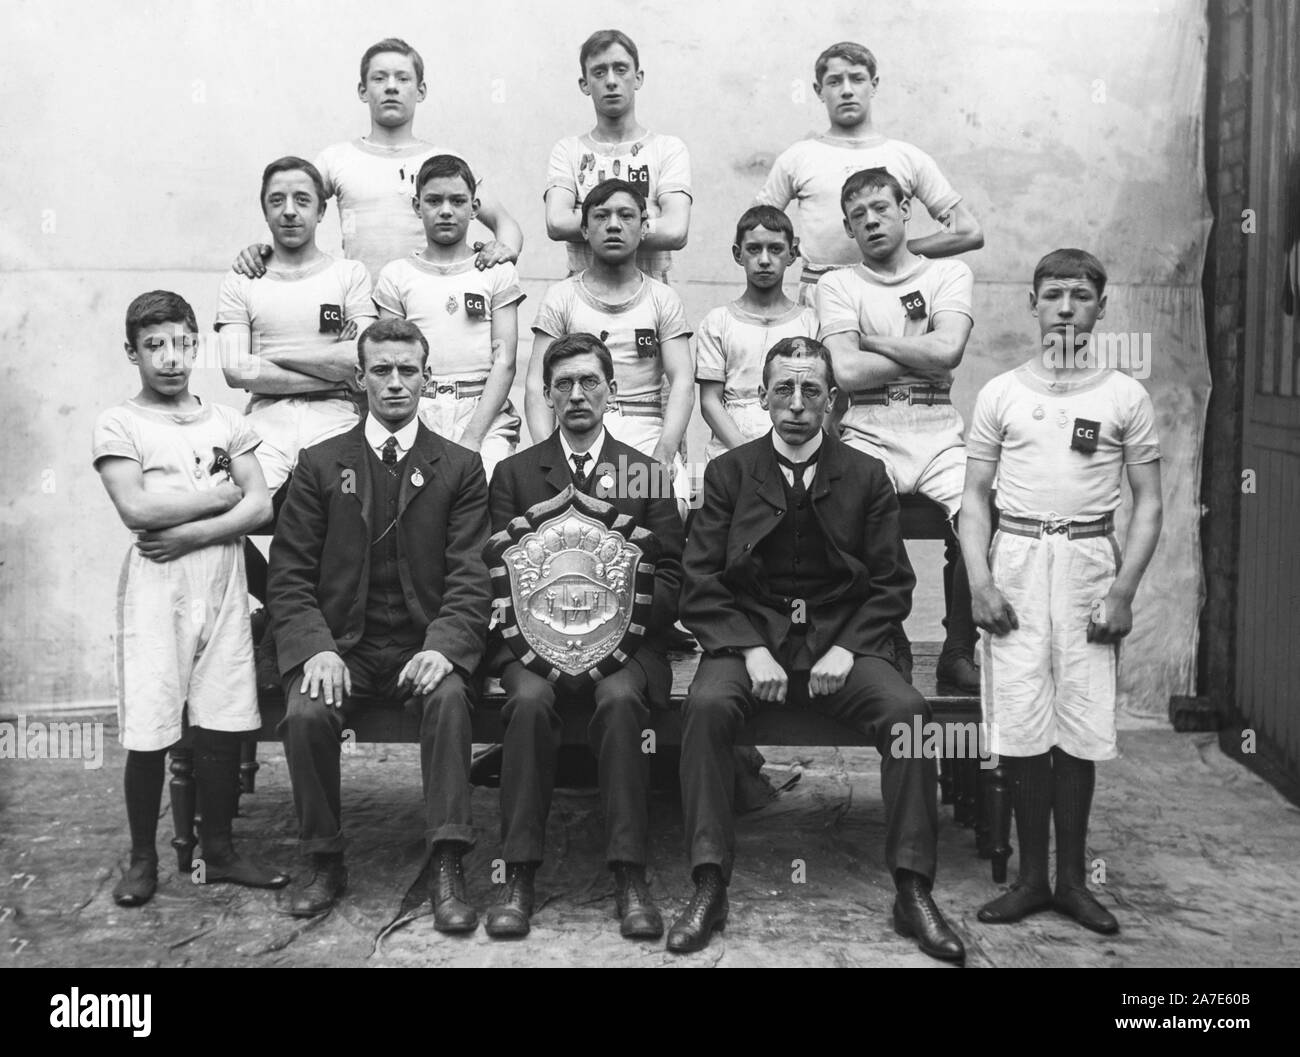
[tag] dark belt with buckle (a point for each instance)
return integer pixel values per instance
(1026, 526)
(459, 390)
(327, 394)
(916, 395)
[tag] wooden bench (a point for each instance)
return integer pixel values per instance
(976, 790)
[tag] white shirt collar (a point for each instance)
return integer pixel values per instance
(593, 451)
(800, 454)
(377, 435)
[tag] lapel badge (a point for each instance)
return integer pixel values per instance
(607, 483)
(417, 478)
(452, 305)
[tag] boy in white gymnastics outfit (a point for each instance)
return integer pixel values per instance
(1053, 589)
(183, 478)
(897, 325)
(374, 176)
(618, 148)
(470, 317)
(638, 318)
(812, 171)
(289, 338)
(733, 339)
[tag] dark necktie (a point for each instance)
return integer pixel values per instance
(389, 452)
(580, 460)
(797, 469)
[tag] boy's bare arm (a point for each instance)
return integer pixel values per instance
(678, 369)
(856, 369)
(337, 364)
(508, 238)
(143, 511)
(715, 414)
(961, 234)
(1143, 535)
(540, 418)
(672, 222)
(990, 609)
(501, 375)
(259, 375)
(249, 514)
(938, 350)
(563, 217)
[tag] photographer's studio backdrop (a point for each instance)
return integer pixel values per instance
(135, 134)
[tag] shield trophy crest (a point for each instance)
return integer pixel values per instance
(573, 586)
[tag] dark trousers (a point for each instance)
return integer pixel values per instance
(533, 731)
(312, 732)
(872, 700)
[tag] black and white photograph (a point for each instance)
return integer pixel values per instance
(651, 485)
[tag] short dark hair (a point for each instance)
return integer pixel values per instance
(395, 44)
(764, 217)
(445, 165)
(158, 306)
(392, 329)
(607, 189)
(870, 180)
(572, 345)
(849, 51)
(291, 164)
(800, 349)
(1071, 264)
(605, 38)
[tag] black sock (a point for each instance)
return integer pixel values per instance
(1031, 796)
(216, 777)
(1073, 780)
(142, 782)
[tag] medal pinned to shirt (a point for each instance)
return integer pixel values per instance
(1039, 413)
(452, 305)
(417, 478)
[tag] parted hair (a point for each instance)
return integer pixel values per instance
(571, 345)
(602, 39)
(1071, 264)
(764, 217)
(870, 180)
(392, 329)
(158, 306)
(444, 165)
(800, 348)
(849, 51)
(607, 189)
(400, 47)
(289, 163)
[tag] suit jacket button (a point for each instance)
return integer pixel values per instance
(746, 546)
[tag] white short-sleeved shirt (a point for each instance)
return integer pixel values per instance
(731, 344)
(452, 304)
(300, 310)
(178, 451)
(374, 186)
(655, 163)
(633, 330)
(812, 172)
(1039, 434)
(863, 301)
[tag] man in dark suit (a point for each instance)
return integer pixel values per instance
(378, 589)
(578, 380)
(794, 578)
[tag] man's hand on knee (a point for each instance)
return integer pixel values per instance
(424, 672)
(325, 673)
(767, 678)
(828, 675)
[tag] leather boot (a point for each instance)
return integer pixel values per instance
(706, 912)
(138, 884)
(916, 917)
(216, 775)
(328, 882)
(956, 670)
(508, 918)
(452, 911)
(640, 918)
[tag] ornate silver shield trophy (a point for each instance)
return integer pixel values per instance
(573, 581)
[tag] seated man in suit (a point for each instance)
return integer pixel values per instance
(578, 379)
(794, 579)
(378, 590)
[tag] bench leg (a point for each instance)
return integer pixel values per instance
(983, 825)
(945, 780)
(248, 765)
(965, 776)
(183, 806)
(999, 813)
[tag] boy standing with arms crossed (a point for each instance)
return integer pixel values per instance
(1053, 590)
(374, 175)
(183, 478)
(470, 317)
(733, 339)
(618, 148)
(813, 170)
(897, 326)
